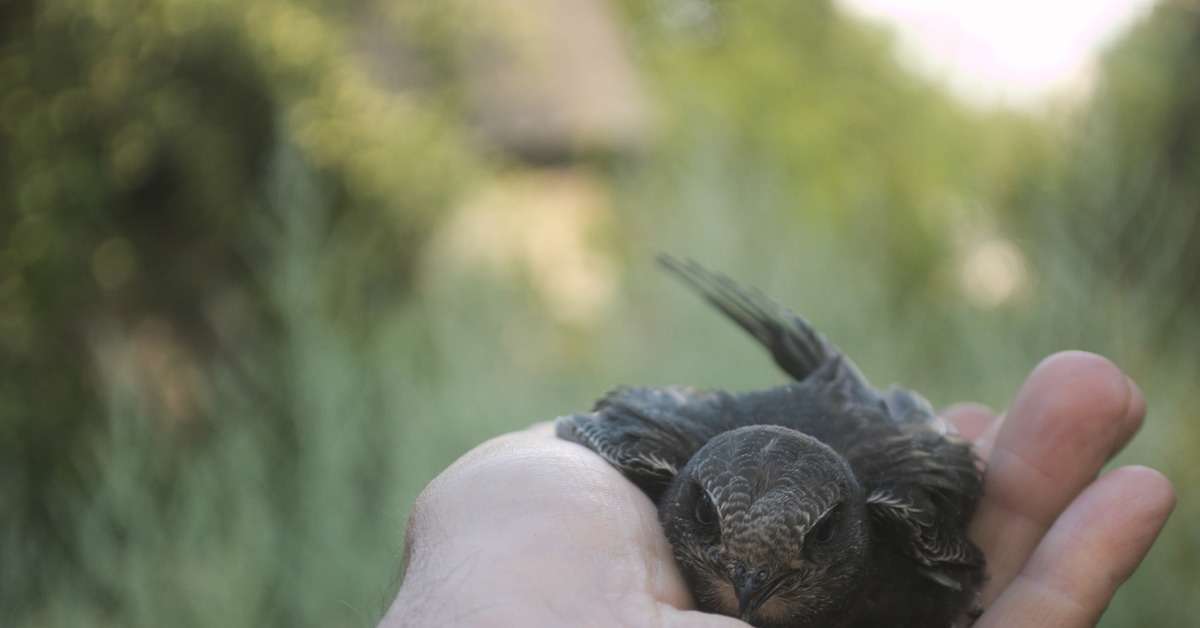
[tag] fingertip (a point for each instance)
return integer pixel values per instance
(1119, 515)
(1151, 497)
(1086, 375)
(1104, 534)
(1135, 412)
(1075, 410)
(970, 420)
(1091, 550)
(1137, 401)
(1091, 392)
(1079, 398)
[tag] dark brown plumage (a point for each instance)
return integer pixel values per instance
(824, 502)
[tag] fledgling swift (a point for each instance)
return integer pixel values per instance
(824, 502)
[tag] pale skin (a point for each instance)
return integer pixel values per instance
(529, 530)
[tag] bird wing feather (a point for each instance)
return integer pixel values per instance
(798, 349)
(922, 492)
(649, 433)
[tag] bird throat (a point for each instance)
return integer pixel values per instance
(762, 608)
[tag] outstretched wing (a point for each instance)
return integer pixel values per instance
(649, 433)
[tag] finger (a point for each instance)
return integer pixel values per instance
(986, 442)
(1090, 551)
(970, 420)
(1075, 410)
(1135, 415)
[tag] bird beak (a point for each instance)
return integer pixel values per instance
(752, 592)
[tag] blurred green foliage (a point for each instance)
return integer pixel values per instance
(136, 143)
(862, 147)
(1130, 183)
(262, 276)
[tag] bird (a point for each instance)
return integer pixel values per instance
(821, 502)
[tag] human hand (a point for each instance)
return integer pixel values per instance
(530, 530)
(1058, 539)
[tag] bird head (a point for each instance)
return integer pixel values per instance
(768, 525)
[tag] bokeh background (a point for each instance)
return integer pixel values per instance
(267, 266)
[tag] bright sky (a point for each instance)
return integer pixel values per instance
(1013, 51)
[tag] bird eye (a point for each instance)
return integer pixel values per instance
(706, 513)
(823, 533)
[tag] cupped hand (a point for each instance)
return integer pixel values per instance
(530, 530)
